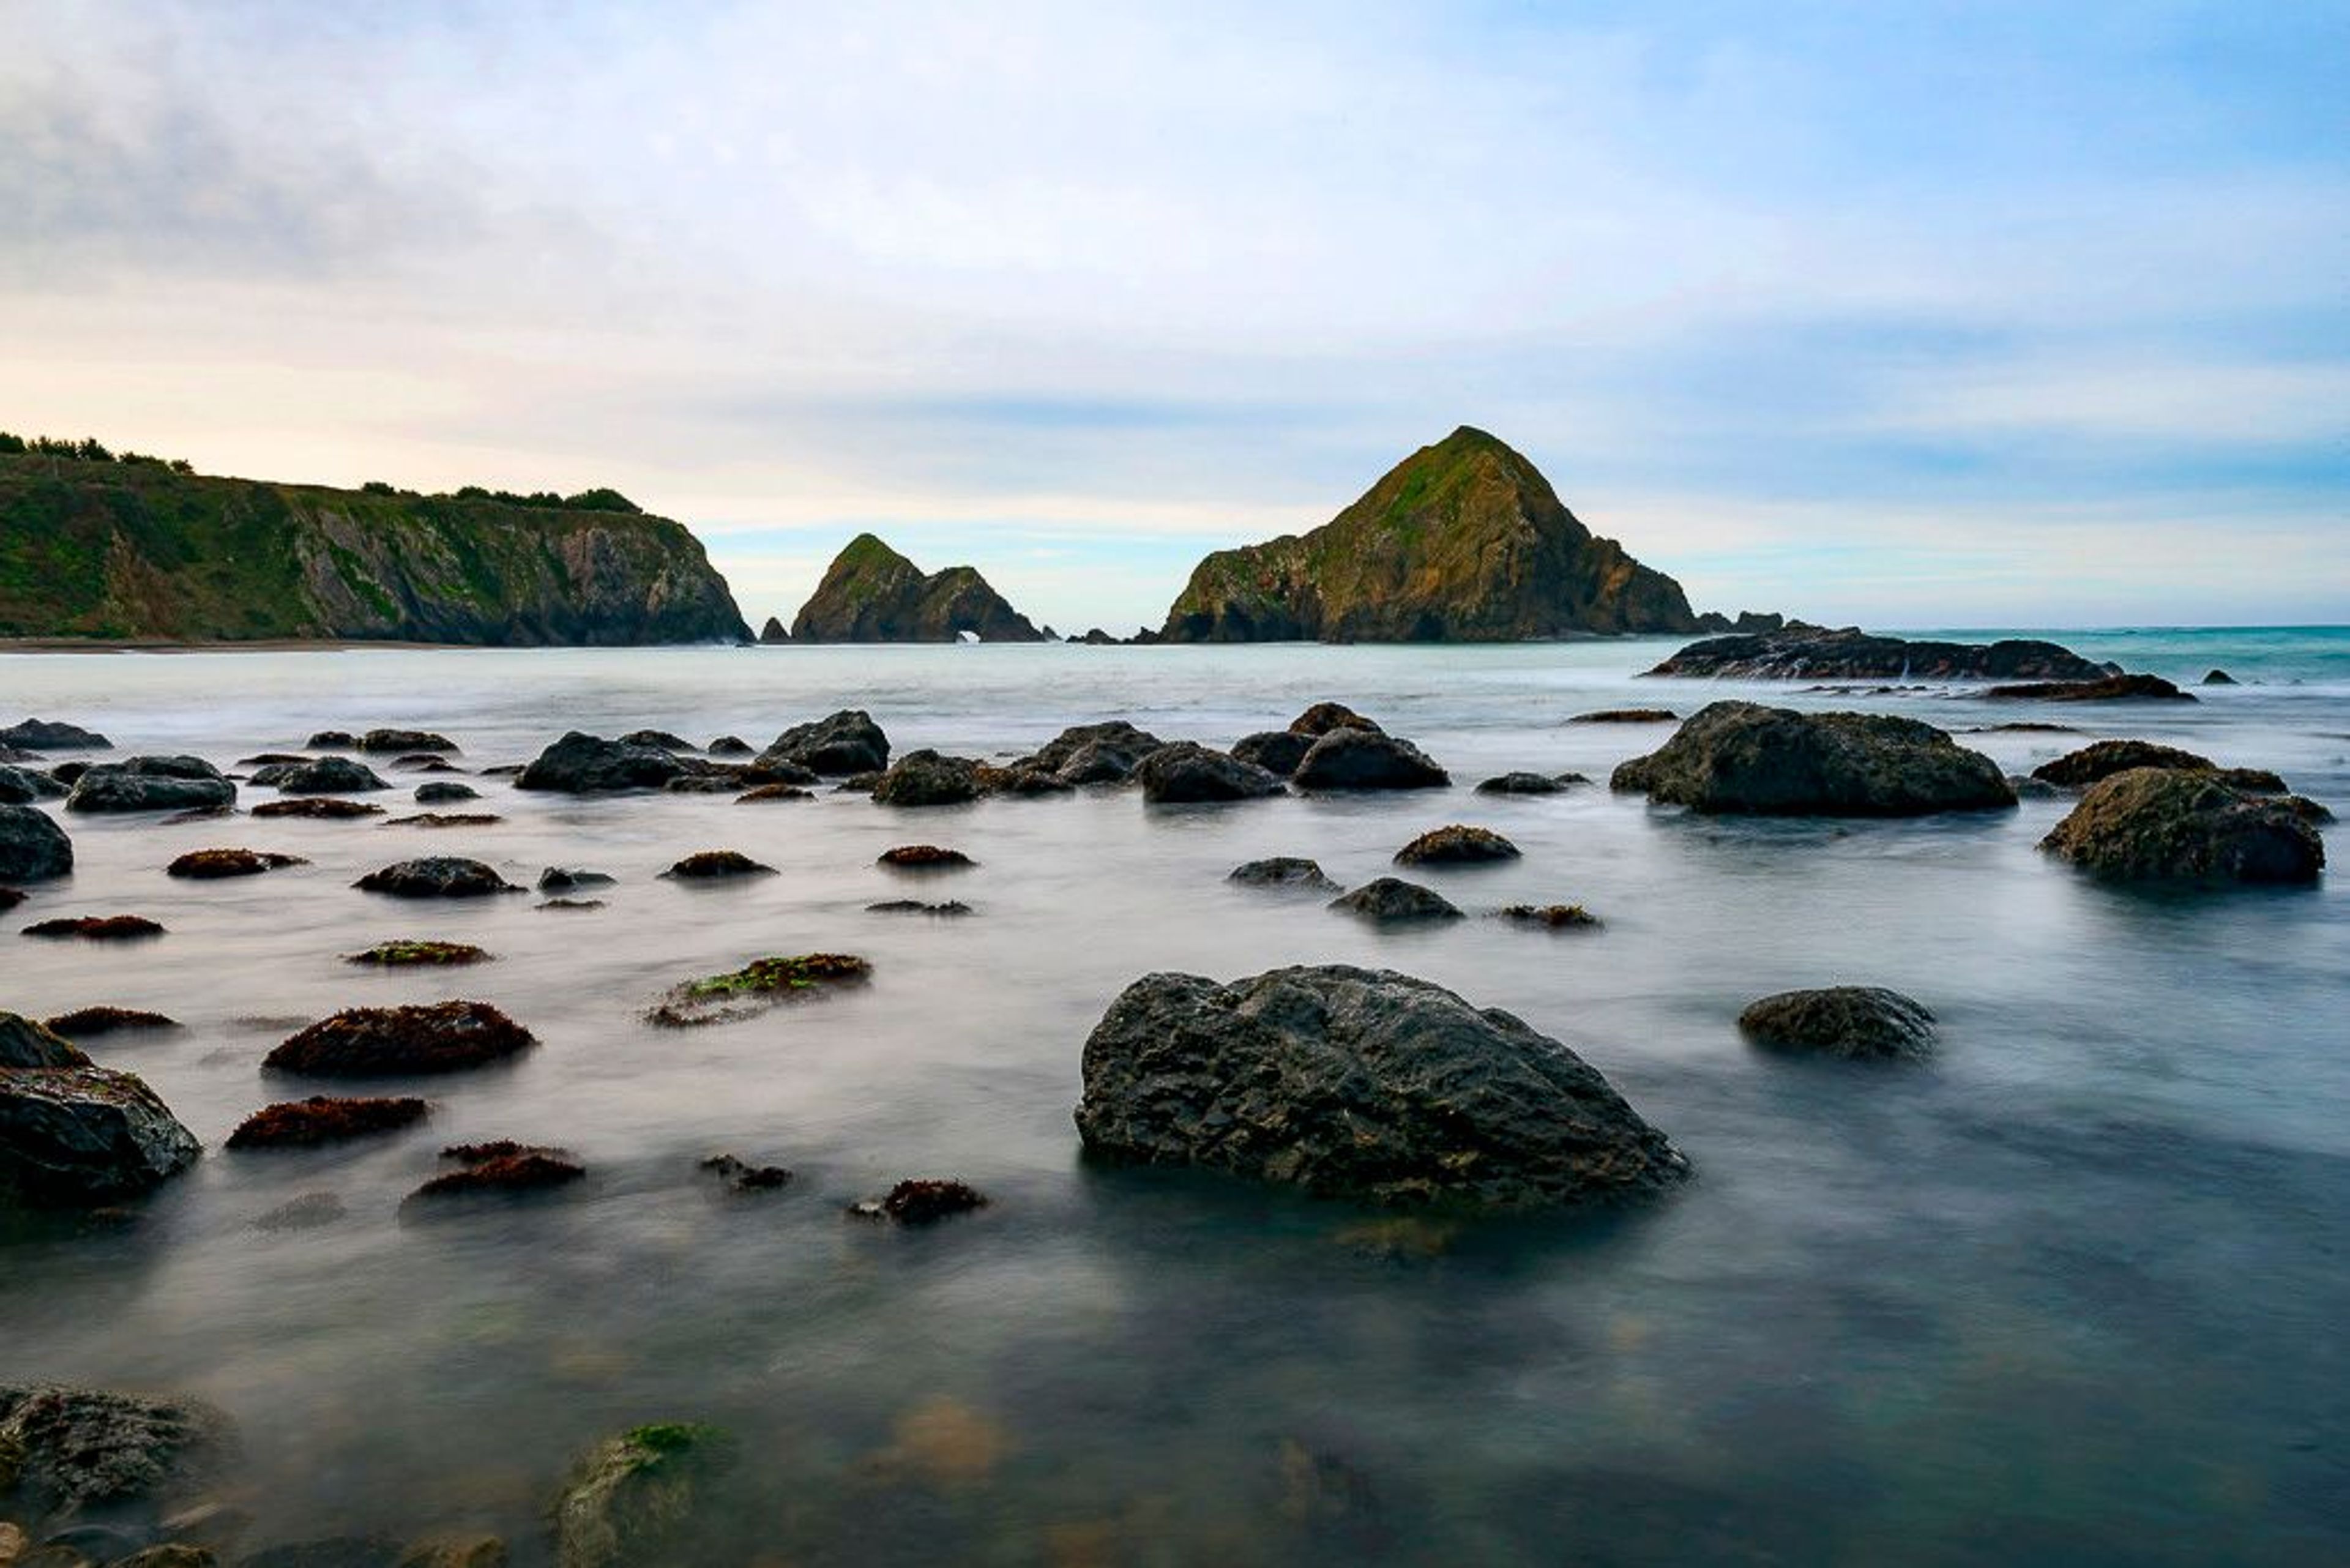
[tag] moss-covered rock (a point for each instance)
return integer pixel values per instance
(2187, 825)
(758, 985)
(324, 1119)
(631, 1498)
(405, 953)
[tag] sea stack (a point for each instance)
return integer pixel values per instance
(872, 594)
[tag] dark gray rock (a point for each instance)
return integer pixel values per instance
(1364, 1085)
(1521, 784)
(847, 742)
(2190, 825)
(332, 741)
(321, 775)
(1277, 751)
(581, 764)
(1188, 773)
(1742, 757)
(660, 740)
(73, 1136)
(1105, 752)
(1324, 717)
(927, 778)
(151, 784)
(23, 787)
(1348, 759)
(1857, 1023)
(558, 880)
(436, 877)
(1456, 844)
(1391, 900)
(2218, 678)
(2104, 759)
(731, 746)
(84, 1449)
(442, 793)
(52, 735)
(1813, 653)
(405, 741)
(33, 848)
(28, 1043)
(1282, 871)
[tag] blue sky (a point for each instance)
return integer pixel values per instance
(1906, 315)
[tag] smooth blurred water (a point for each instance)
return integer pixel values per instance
(2073, 1295)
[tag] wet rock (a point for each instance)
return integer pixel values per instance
(2183, 825)
(1456, 844)
(1627, 716)
(10, 897)
(332, 741)
(926, 778)
(324, 1119)
(2111, 688)
(33, 848)
(1857, 1022)
(271, 759)
(151, 784)
(70, 773)
(632, 1499)
(406, 954)
(1277, 751)
(717, 866)
(1815, 653)
(740, 1176)
(207, 865)
(445, 793)
(405, 741)
(446, 819)
(571, 904)
(455, 1552)
(2026, 787)
(332, 1552)
(581, 764)
(23, 787)
(53, 735)
(28, 1043)
(727, 783)
(949, 908)
(1352, 759)
(322, 775)
(383, 1042)
(768, 792)
(731, 746)
(1391, 900)
(79, 1136)
(924, 858)
(91, 1023)
(847, 742)
(2103, 759)
(1281, 871)
(91, 1450)
(756, 987)
(436, 877)
(499, 1168)
(1324, 717)
(308, 1212)
(1744, 758)
(1360, 1083)
(1020, 781)
(660, 738)
(1555, 917)
(321, 808)
(922, 1201)
(425, 763)
(2218, 678)
(1092, 753)
(1188, 773)
(561, 879)
(1521, 783)
(98, 928)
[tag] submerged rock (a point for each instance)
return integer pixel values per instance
(501, 1167)
(768, 792)
(922, 1201)
(1744, 758)
(2111, 688)
(98, 928)
(324, 808)
(308, 1212)
(950, 907)
(1282, 871)
(1521, 783)
(1355, 759)
(632, 1499)
(90, 1022)
(445, 793)
(1360, 1083)
(740, 1176)
(847, 742)
(82, 1135)
(1389, 900)
(1627, 716)
(77, 1449)
(388, 1042)
(1188, 772)
(446, 819)
(756, 987)
(563, 879)
(1555, 916)
(33, 848)
(1814, 653)
(582, 763)
(436, 877)
(53, 735)
(1857, 1023)
(205, 865)
(1456, 844)
(404, 954)
(2187, 824)
(926, 778)
(324, 1119)
(332, 741)
(405, 741)
(924, 858)
(716, 866)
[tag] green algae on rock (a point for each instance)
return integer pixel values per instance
(758, 985)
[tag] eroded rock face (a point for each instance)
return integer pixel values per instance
(2187, 825)
(81, 1134)
(33, 848)
(1855, 1022)
(390, 1042)
(93, 1448)
(582, 763)
(1364, 1085)
(1744, 758)
(1350, 758)
(1188, 771)
(848, 741)
(1813, 653)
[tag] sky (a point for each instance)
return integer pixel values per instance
(1916, 315)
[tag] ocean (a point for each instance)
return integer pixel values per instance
(2074, 1294)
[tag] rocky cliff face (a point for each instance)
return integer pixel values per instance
(1464, 540)
(872, 594)
(137, 552)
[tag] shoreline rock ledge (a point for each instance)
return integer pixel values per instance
(1361, 1084)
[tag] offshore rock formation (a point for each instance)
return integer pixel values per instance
(1745, 759)
(138, 551)
(1461, 542)
(872, 594)
(1848, 653)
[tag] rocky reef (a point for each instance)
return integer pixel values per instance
(1812, 653)
(872, 594)
(1465, 541)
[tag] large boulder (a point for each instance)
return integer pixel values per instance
(78, 1135)
(1391, 900)
(1188, 771)
(51, 735)
(1324, 717)
(151, 784)
(321, 775)
(391, 1041)
(31, 847)
(64, 1451)
(1277, 751)
(436, 877)
(23, 787)
(1364, 1085)
(1092, 754)
(581, 764)
(927, 778)
(28, 1043)
(848, 741)
(2187, 824)
(1456, 844)
(1744, 758)
(1857, 1022)
(632, 1499)
(1351, 758)
(2104, 759)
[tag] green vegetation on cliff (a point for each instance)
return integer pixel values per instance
(1462, 541)
(872, 594)
(93, 545)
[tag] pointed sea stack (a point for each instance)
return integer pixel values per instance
(773, 632)
(872, 594)
(1462, 541)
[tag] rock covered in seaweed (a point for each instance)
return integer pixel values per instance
(325, 1119)
(1456, 844)
(208, 865)
(1744, 758)
(2187, 825)
(33, 847)
(758, 985)
(391, 1041)
(632, 1499)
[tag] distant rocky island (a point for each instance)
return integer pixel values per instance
(872, 594)
(1465, 541)
(128, 548)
